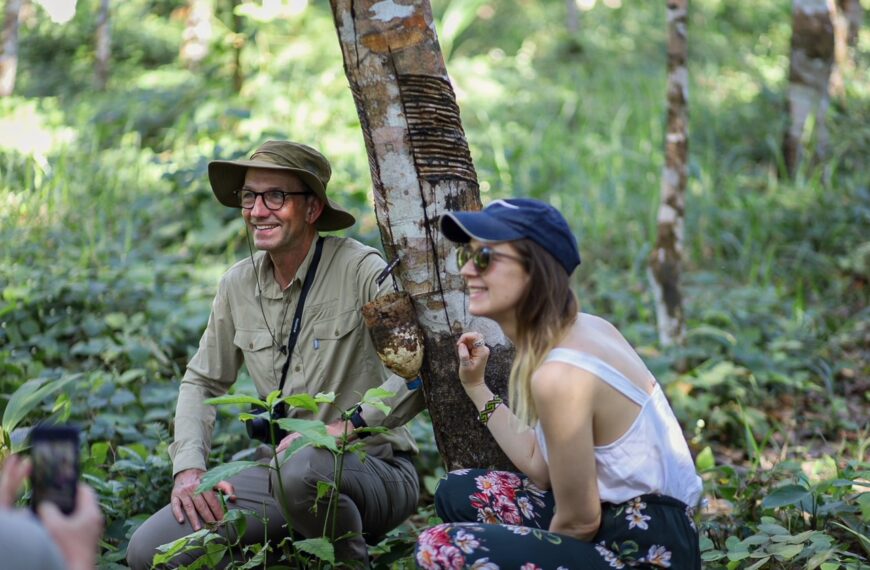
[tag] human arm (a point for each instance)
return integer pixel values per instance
(517, 441)
(565, 405)
(78, 534)
(210, 373)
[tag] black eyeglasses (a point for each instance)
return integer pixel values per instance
(273, 199)
(481, 258)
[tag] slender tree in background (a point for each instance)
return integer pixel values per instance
(238, 42)
(9, 55)
(421, 167)
(812, 59)
(666, 258)
(197, 33)
(847, 18)
(104, 47)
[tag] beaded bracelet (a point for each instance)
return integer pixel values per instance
(489, 409)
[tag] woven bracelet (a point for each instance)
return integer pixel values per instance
(489, 409)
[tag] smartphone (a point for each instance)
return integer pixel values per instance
(54, 451)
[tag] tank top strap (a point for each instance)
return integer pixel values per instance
(602, 370)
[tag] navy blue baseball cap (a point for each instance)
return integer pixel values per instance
(513, 219)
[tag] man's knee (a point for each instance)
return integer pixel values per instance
(139, 551)
(300, 476)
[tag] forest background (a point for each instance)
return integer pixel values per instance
(112, 243)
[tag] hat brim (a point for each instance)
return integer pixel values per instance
(227, 176)
(462, 227)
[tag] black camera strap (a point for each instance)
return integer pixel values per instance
(297, 316)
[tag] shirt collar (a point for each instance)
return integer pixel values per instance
(270, 287)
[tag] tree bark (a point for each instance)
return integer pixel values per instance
(665, 262)
(104, 47)
(9, 55)
(421, 167)
(238, 42)
(197, 33)
(847, 17)
(812, 59)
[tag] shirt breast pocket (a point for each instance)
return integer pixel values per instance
(336, 343)
(259, 355)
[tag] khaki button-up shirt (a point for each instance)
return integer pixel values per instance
(334, 352)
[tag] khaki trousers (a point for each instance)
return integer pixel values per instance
(376, 495)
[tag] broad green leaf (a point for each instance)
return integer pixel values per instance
(711, 555)
(786, 495)
(235, 399)
(223, 472)
(785, 551)
(324, 488)
(305, 401)
(28, 396)
(312, 430)
(772, 529)
(318, 547)
(794, 539)
(756, 540)
(373, 395)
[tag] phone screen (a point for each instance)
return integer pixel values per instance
(55, 455)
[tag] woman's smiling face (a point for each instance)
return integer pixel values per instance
(495, 291)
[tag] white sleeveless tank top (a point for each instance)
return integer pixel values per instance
(652, 456)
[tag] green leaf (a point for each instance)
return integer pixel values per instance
(705, 460)
(325, 397)
(305, 401)
(312, 430)
(319, 547)
(234, 399)
(759, 564)
(223, 472)
(785, 551)
(373, 395)
(786, 495)
(28, 396)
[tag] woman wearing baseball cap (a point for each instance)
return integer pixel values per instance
(607, 480)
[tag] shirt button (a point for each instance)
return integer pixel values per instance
(251, 345)
(298, 369)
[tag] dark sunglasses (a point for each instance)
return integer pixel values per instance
(481, 258)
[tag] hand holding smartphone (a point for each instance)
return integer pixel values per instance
(54, 453)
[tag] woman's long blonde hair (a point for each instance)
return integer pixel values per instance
(545, 312)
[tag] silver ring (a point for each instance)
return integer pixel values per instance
(478, 343)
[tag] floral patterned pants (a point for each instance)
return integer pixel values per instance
(498, 520)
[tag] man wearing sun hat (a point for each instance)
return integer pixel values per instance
(281, 190)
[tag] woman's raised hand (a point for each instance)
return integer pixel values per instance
(473, 354)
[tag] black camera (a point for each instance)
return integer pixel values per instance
(263, 427)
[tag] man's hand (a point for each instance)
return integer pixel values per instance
(287, 441)
(206, 505)
(78, 534)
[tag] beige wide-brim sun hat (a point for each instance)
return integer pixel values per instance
(312, 168)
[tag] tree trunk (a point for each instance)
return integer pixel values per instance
(238, 42)
(104, 47)
(421, 167)
(666, 258)
(847, 18)
(812, 59)
(197, 33)
(9, 55)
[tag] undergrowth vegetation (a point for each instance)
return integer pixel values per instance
(113, 243)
